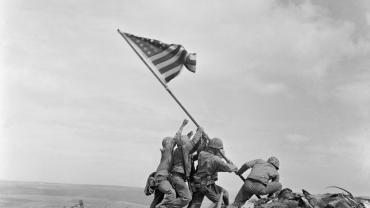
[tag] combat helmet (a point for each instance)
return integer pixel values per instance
(274, 161)
(167, 141)
(216, 143)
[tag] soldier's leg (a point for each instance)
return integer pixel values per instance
(214, 192)
(225, 197)
(169, 193)
(196, 200)
(243, 195)
(272, 187)
(183, 192)
(158, 197)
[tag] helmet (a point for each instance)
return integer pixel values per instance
(216, 143)
(274, 161)
(167, 141)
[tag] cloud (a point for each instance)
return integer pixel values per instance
(297, 138)
(256, 85)
(279, 46)
(360, 142)
(357, 96)
(275, 48)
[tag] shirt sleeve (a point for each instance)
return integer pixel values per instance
(248, 165)
(177, 138)
(275, 177)
(190, 146)
(222, 166)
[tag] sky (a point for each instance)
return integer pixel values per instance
(274, 77)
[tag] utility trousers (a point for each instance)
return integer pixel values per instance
(182, 191)
(250, 188)
(164, 194)
(212, 192)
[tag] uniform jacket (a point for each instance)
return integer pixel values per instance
(261, 171)
(210, 164)
(187, 149)
(166, 159)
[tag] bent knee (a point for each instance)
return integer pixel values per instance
(278, 186)
(170, 194)
(185, 202)
(272, 188)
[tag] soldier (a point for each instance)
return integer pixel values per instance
(164, 191)
(258, 181)
(181, 169)
(209, 164)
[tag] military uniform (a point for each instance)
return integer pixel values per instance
(209, 165)
(258, 181)
(181, 160)
(164, 191)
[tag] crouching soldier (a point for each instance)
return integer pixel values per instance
(263, 179)
(209, 164)
(159, 181)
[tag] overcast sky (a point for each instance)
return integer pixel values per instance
(283, 78)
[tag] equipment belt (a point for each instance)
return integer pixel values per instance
(181, 175)
(207, 180)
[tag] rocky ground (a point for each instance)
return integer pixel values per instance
(14, 194)
(32, 194)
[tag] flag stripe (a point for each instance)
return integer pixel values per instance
(171, 60)
(172, 71)
(174, 64)
(169, 78)
(168, 59)
(167, 56)
(163, 53)
(192, 62)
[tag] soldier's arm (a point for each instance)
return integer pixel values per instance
(222, 166)
(276, 178)
(246, 166)
(202, 143)
(177, 137)
(190, 146)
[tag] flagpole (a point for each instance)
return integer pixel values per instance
(159, 79)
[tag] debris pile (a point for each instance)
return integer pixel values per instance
(286, 198)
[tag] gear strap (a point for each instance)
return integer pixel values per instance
(183, 162)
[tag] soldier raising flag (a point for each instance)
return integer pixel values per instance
(168, 60)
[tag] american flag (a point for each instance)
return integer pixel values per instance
(168, 59)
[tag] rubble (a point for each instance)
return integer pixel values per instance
(286, 198)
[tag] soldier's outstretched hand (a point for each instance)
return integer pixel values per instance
(185, 122)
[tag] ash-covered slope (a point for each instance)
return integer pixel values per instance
(36, 194)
